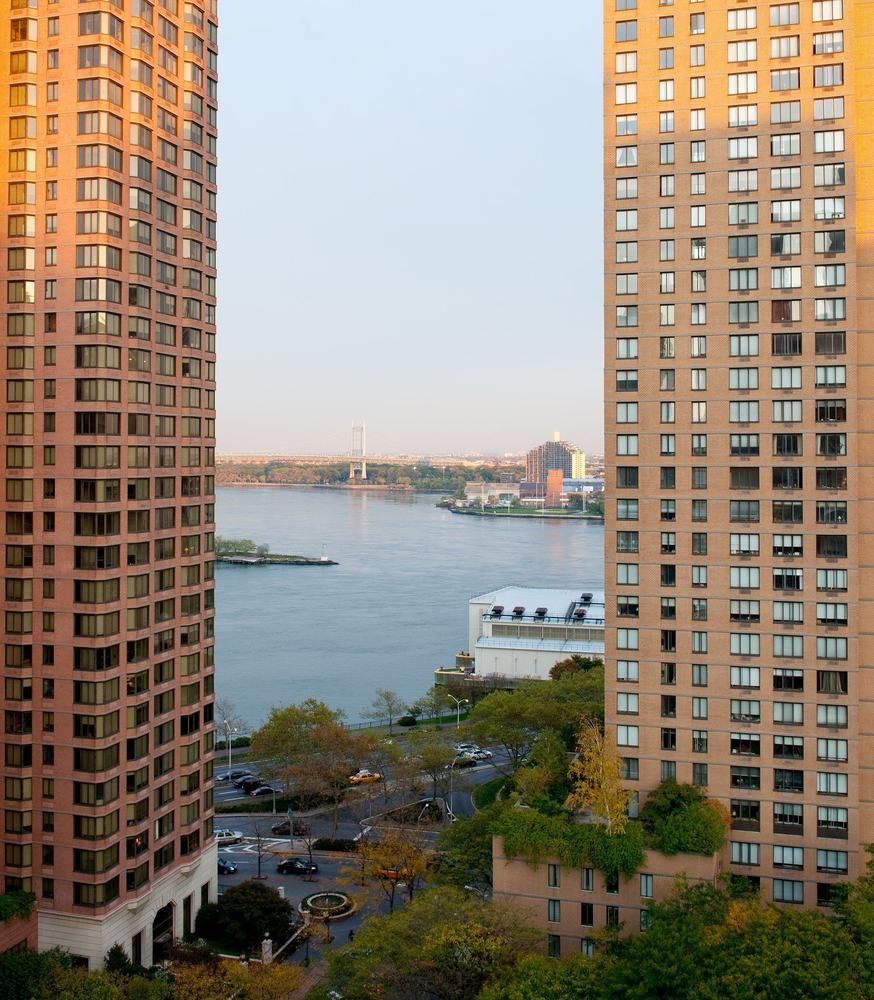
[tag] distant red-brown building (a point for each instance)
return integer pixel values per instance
(554, 487)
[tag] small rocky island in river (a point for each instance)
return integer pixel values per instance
(245, 552)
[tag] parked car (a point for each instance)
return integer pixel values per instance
(262, 790)
(364, 777)
(226, 868)
(281, 829)
(223, 837)
(296, 866)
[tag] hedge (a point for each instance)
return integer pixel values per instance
(334, 844)
(530, 835)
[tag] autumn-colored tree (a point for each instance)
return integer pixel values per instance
(286, 735)
(447, 943)
(333, 753)
(398, 859)
(386, 760)
(597, 779)
(262, 982)
(247, 982)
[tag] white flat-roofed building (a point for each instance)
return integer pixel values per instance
(522, 632)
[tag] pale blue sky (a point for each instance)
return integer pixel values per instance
(410, 224)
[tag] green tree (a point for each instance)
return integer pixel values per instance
(544, 783)
(465, 849)
(514, 719)
(574, 664)
(246, 914)
(234, 546)
(679, 818)
(26, 974)
(854, 904)
(539, 978)
(446, 944)
(503, 719)
(705, 944)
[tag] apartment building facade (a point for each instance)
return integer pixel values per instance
(109, 111)
(738, 279)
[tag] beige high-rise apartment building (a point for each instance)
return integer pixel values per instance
(739, 239)
(109, 118)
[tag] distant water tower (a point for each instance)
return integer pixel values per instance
(358, 465)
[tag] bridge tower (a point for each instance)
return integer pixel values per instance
(358, 465)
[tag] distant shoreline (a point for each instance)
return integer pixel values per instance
(360, 488)
(522, 515)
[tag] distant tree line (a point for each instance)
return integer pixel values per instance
(447, 479)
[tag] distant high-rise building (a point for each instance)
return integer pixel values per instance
(739, 346)
(110, 117)
(554, 454)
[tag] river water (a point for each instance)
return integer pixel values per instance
(392, 610)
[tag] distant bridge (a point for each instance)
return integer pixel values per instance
(271, 457)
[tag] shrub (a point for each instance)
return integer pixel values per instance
(678, 819)
(407, 720)
(334, 844)
(697, 829)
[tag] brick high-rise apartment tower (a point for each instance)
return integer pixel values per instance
(109, 119)
(739, 241)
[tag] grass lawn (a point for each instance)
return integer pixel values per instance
(486, 794)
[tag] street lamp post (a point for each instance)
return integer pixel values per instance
(228, 730)
(451, 776)
(458, 703)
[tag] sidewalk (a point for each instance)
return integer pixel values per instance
(312, 977)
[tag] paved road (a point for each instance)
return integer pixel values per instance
(361, 805)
